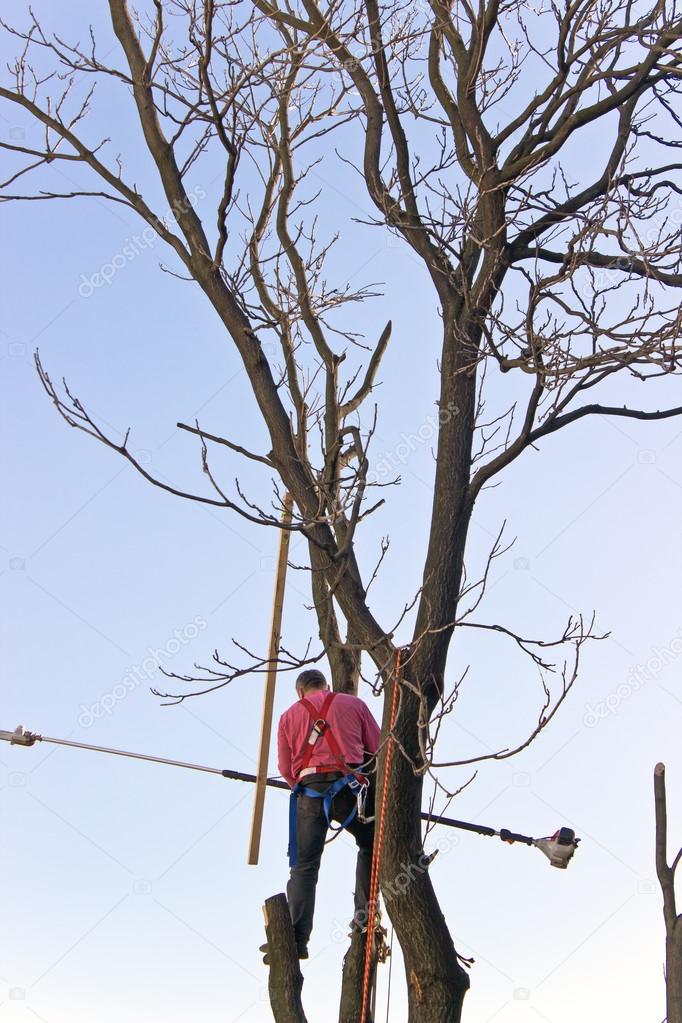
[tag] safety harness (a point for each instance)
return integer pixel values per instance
(351, 779)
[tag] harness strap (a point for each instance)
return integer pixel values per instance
(321, 727)
(327, 797)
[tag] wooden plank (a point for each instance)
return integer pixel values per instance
(270, 679)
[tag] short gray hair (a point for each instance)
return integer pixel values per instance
(311, 679)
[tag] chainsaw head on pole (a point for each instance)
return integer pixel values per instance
(559, 848)
(19, 737)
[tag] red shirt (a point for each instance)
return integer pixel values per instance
(351, 721)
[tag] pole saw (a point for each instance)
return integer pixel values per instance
(559, 848)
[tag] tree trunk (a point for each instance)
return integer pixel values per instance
(436, 981)
(285, 981)
(673, 972)
(673, 922)
(350, 1008)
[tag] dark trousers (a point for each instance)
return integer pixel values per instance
(311, 831)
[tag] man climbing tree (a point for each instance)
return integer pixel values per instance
(325, 741)
(554, 276)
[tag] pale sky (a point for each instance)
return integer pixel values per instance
(127, 893)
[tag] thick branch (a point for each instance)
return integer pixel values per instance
(665, 873)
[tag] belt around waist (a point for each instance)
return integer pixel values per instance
(311, 775)
(332, 774)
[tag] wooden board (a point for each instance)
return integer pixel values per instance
(270, 679)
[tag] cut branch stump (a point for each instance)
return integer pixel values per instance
(285, 981)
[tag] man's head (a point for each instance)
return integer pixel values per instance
(310, 680)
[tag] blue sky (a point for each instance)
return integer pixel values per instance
(127, 890)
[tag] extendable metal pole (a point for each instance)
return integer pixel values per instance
(24, 738)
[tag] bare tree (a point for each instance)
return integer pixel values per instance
(673, 919)
(553, 289)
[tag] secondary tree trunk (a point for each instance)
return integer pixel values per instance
(673, 972)
(673, 921)
(350, 1008)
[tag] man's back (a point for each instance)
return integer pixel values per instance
(328, 791)
(350, 721)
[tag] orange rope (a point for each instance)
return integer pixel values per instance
(378, 843)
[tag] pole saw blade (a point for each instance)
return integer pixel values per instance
(19, 737)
